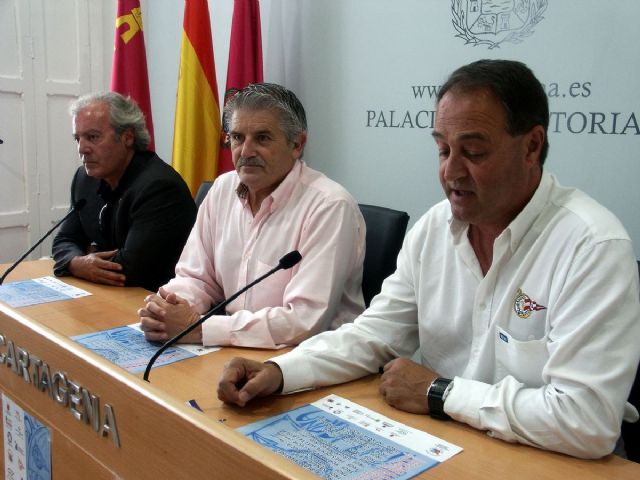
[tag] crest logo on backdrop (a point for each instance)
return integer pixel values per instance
(577, 108)
(491, 22)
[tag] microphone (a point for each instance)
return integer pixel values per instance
(74, 208)
(286, 262)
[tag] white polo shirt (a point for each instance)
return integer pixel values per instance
(542, 349)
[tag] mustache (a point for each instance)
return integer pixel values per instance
(456, 185)
(250, 162)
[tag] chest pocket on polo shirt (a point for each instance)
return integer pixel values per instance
(523, 360)
(270, 291)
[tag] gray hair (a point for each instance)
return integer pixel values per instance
(269, 96)
(124, 114)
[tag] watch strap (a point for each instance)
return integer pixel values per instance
(436, 395)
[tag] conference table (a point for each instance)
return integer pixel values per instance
(146, 430)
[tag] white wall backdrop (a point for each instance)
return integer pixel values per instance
(354, 62)
(359, 65)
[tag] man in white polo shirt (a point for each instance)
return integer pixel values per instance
(518, 296)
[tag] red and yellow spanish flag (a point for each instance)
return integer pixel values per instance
(245, 59)
(129, 71)
(196, 135)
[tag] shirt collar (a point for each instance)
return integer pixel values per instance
(282, 193)
(130, 173)
(520, 225)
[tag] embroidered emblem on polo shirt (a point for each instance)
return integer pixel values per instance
(524, 306)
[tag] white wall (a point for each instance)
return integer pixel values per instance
(346, 57)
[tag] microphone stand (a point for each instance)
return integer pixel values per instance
(77, 206)
(286, 262)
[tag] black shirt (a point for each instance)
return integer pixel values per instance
(147, 218)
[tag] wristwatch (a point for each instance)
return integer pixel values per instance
(436, 395)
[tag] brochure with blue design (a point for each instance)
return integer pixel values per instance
(27, 444)
(341, 440)
(38, 290)
(127, 348)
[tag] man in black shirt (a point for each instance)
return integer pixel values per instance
(139, 211)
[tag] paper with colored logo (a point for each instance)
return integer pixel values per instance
(38, 290)
(27, 444)
(338, 439)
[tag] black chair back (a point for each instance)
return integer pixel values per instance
(202, 192)
(385, 232)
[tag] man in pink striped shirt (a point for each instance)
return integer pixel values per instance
(271, 204)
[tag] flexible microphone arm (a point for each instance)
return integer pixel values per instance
(76, 207)
(286, 262)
